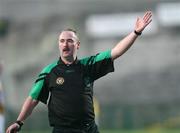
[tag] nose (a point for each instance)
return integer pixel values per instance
(65, 43)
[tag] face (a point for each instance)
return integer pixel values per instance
(68, 44)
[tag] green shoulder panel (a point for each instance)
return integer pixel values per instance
(37, 86)
(96, 58)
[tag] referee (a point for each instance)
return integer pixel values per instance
(66, 85)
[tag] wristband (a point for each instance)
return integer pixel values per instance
(20, 123)
(137, 33)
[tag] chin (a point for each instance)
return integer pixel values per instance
(66, 55)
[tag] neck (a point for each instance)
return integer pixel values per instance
(68, 61)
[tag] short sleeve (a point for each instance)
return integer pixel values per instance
(40, 90)
(99, 64)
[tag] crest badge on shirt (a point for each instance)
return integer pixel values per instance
(60, 80)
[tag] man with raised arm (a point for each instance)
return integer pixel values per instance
(66, 85)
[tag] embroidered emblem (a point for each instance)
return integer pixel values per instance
(60, 80)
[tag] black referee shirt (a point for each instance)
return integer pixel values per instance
(70, 88)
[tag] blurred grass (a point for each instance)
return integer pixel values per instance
(122, 131)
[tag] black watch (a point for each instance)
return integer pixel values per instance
(137, 33)
(20, 123)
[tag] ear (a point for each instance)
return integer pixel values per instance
(78, 44)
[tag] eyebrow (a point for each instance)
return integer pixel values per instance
(66, 39)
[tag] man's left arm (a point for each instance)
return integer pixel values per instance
(127, 42)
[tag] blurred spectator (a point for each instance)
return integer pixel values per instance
(2, 120)
(4, 26)
(96, 110)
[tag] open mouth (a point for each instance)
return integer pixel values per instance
(66, 50)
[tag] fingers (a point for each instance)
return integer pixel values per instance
(148, 13)
(149, 21)
(12, 129)
(147, 18)
(141, 23)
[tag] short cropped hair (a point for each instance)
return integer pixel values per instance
(72, 30)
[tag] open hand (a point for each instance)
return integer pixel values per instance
(141, 23)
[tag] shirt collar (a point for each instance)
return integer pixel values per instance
(62, 63)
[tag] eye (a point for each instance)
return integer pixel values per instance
(62, 40)
(70, 40)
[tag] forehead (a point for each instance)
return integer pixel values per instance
(67, 35)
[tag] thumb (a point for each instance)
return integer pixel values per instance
(137, 23)
(137, 19)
